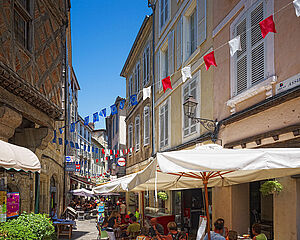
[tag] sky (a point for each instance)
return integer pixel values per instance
(103, 32)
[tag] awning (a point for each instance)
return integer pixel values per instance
(18, 158)
(82, 192)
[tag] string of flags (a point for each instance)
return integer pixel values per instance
(266, 26)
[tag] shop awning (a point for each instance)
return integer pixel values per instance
(18, 158)
(82, 192)
(128, 182)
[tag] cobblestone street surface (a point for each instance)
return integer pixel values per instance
(85, 230)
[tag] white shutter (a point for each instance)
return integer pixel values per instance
(186, 120)
(171, 53)
(179, 43)
(257, 46)
(242, 59)
(161, 126)
(157, 77)
(166, 120)
(146, 126)
(137, 133)
(201, 18)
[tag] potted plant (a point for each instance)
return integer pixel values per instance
(162, 195)
(270, 187)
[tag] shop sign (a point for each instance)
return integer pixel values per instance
(290, 83)
(121, 162)
(70, 167)
(13, 200)
(69, 158)
(3, 206)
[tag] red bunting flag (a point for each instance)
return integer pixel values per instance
(106, 158)
(267, 25)
(103, 151)
(116, 156)
(97, 160)
(166, 82)
(111, 152)
(209, 59)
(118, 152)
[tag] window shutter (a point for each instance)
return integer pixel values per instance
(161, 124)
(178, 43)
(171, 53)
(241, 64)
(146, 126)
(201, 18)
(257, 46)
(166, 124)
(137, 133)
(186, 120)
(158, 80)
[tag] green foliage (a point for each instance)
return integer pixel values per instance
(162, 195)
(270, 187)
(27, 227)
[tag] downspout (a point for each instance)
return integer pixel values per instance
(153, 74)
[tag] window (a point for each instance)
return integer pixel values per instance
(250, 63)
(130, 86)
(178, 43)
(164, 125)
(137, 78)
(137, 133)
(146, 66)
(164, 12)
(192, 32)
(189, 89)
(130, 136)
(146, 125)
(22, 23)
(164, 63)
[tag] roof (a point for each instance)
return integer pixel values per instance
(146, 19)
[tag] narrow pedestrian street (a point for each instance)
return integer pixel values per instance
(86, 229)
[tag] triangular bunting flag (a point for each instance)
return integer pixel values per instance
(297, 7)
(146, 93)
(72, 144)
(72, 127)
(133, 100)
(76, 146)
(103, 151)
(122, 104)
(95, 117)
(114, 109)
(61, 130)
(103, 113)
(86, 120)
(209, 59)
(186, 73)
(54, 137)
(235, 45)
(166, 82)
(267, 25)
(60, 141)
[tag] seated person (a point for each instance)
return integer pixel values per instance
(256, 230)
(174, 234)
(232, 235)
(134, 228)
(144, 234)
(217, 233)
(156, 228)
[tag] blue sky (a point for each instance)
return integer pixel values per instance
(103, 32)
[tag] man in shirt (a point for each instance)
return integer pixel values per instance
(217, 233)
(256, 230)
(122, 210)
(156, 228)
(134, 228)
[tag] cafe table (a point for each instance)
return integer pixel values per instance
(64, 227)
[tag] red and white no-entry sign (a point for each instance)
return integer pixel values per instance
(121, 162)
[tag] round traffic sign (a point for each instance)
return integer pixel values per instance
(121, 162)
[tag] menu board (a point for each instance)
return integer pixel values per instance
(13, 204)
(2, 206)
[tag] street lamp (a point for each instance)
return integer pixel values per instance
(189, 107)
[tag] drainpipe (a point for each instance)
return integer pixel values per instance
(152, 6)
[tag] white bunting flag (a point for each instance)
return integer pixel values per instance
(146, 93)
(235, 45)
(297, 7)
(121, 153)
(186, 73)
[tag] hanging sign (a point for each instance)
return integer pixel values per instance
(287, 84)
(121, 162)
(13, 204)
(69, 158)
(70, 167)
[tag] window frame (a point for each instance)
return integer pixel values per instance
(146, 65)
(137, 77)
(163, 23)
(163, 105)
(269, 50)
(137, 133)
(197, 79)
(130, 86)
(130, 136)
(146, 124)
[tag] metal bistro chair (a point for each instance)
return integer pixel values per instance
(81, 215)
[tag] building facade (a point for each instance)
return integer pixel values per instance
(256, 100)
(116, 138)
(32, 67)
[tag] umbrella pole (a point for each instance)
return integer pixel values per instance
(205, 181)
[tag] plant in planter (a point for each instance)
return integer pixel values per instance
(270, 187)
(162, 195)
